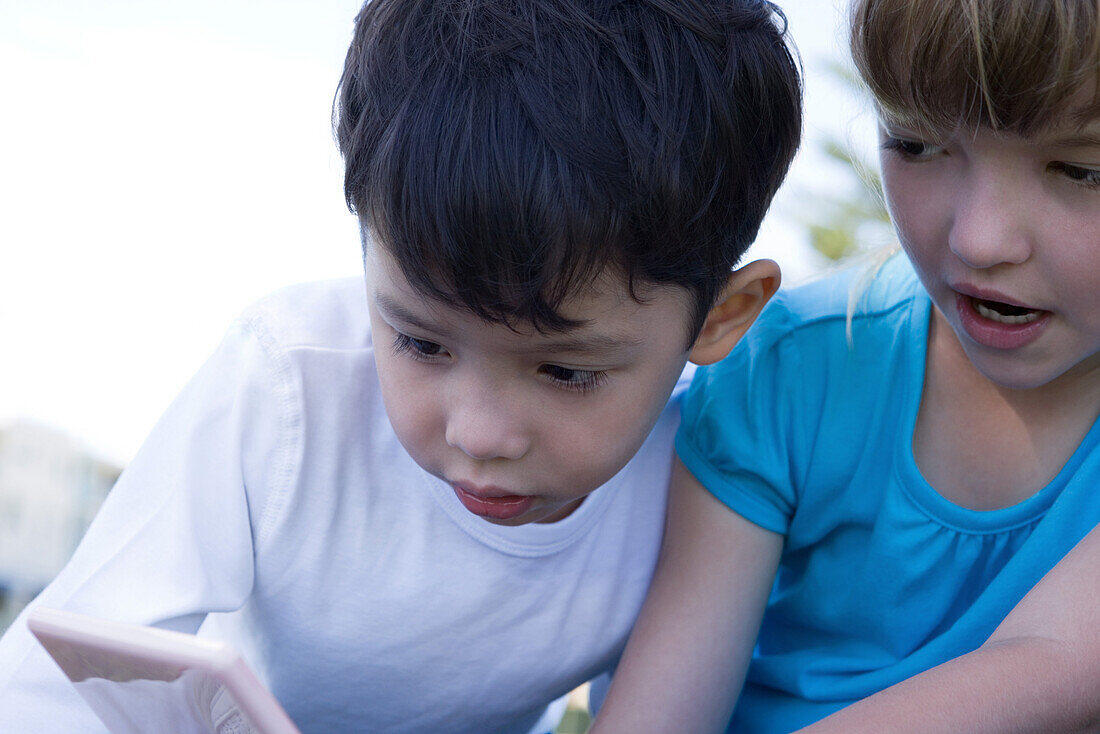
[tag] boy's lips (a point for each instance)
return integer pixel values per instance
(491, 502)
(995, 321)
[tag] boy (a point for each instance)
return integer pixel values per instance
(434, 505)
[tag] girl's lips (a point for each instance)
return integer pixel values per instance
(491, 505)
(1003, 333)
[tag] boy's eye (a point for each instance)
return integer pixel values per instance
(1089, 177)
(911, 148)
(573, 379)
(416, 348)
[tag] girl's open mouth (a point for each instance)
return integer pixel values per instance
(1005, 313)
(1000, 325)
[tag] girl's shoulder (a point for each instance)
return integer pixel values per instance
(870, 311)
(866, 287)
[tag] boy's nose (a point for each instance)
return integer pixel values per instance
(486, 429)
(990, 225)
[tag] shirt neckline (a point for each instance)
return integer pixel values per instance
(533, 539)
(934, 504)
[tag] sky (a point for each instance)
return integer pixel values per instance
(164, 164)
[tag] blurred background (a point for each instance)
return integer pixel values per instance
(165, 163)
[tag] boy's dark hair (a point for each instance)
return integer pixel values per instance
(505, 152)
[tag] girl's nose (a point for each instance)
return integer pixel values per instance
(990, 225)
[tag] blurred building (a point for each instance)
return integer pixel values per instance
(50, 489)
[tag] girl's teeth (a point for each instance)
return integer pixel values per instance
(989, 313)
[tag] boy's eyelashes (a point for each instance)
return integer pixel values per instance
(567, 378)
(573, 379)
(416, 348)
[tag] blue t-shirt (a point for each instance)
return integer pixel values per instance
(806, 430)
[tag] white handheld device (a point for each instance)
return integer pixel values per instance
(141, 679)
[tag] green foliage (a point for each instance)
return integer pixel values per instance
(575, 721)
(836, 224)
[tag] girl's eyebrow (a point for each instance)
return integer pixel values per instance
(893, 128)
(1077, 139)
(1085, 137)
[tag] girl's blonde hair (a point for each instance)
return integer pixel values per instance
(1010, 65)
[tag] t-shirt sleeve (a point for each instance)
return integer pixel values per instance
(174, 539)
(737, 431)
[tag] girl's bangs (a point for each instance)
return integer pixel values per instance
(1013, 65)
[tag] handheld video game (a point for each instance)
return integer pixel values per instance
(142, 679)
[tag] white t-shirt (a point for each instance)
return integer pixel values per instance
(273, 507)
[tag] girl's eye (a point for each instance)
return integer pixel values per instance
(914, 149)
(416, 348)
(1089, 177)
(571, 379)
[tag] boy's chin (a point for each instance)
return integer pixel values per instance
(563, 512)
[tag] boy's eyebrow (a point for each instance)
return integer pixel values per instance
(589, 343)
(572, 343)
(396, 311)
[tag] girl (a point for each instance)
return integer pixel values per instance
(909, 475)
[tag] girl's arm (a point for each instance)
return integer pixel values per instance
(1039, 672)
(684, 665)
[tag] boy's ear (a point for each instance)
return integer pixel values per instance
(746, 292)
